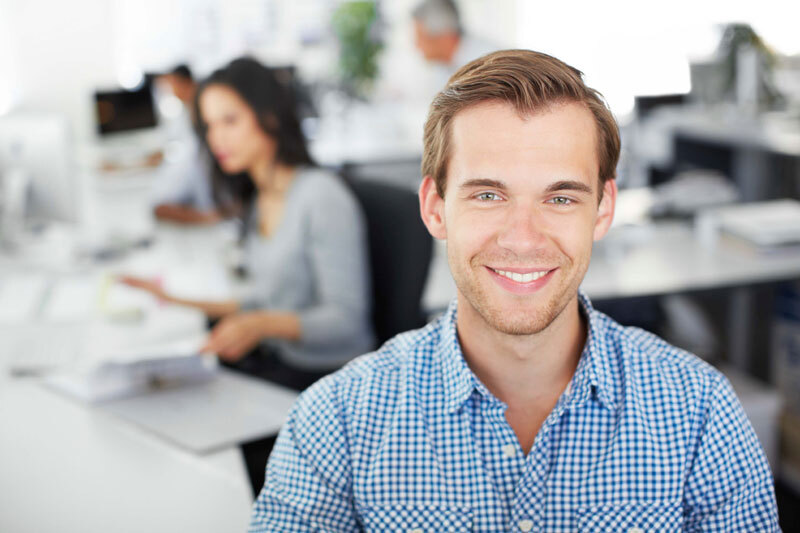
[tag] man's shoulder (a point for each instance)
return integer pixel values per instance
(376, 374)
(645, 360)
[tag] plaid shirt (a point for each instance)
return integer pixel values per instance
(646, 438)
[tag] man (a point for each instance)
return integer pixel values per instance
(185, 196)
(440, 37)
(181, 83)
(522, 408)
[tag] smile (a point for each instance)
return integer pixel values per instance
(519, 277)
(526, 282)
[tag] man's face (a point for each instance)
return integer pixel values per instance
(181, 87)
(436, 48)
(520, 212)
(423, 41)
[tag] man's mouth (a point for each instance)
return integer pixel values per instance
(521, 277)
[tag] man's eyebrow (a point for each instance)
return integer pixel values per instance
(569, 185)
(483, 182)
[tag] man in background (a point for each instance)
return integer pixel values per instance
(441, 38)
(184, 195)
(182, 84)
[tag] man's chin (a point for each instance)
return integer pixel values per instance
(511, 323)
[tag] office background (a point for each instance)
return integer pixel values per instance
(721, 282)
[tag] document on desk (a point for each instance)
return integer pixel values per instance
(226, 411)
(135, 372)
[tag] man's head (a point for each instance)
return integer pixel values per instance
(519, 165)
(437, 29)
(181, 83)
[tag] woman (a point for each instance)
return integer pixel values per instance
(304, 244)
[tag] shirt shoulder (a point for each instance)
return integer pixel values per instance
(647, 367)
(375, 380)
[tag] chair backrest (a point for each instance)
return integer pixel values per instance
(400, 250)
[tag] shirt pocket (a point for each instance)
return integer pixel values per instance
(633, 517)
(416, 519)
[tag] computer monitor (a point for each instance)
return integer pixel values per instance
(125, 111)
(645, 105)
(38, 147)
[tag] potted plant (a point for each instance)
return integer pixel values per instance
(355, 24)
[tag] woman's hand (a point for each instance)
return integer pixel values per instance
(235, 335)
(151, 286)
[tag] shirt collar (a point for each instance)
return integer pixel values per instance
(594, 370)
(459, 380)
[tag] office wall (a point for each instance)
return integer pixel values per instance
(53, 54)
(629, 47)
(57, 52)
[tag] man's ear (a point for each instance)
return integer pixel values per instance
(431, 208)
(605, 211)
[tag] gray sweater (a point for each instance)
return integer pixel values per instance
(315, 264)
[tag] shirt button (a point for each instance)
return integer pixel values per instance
(509, 450)
(525, 525)
(418, 530)
(636, 530)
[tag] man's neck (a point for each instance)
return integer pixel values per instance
(523, 370)
(526, 372)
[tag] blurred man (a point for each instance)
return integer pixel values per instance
(182, 84)
(441, 38)
(185, 195)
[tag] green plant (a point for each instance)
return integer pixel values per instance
(355, 26)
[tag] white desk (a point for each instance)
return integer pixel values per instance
(68, 468)
(668, 258)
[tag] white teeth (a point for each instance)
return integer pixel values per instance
(522, 278)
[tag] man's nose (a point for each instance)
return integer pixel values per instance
(524, 229)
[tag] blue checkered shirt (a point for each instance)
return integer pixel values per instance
(646, 438)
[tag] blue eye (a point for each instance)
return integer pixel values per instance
(488, 196)
(560, 200)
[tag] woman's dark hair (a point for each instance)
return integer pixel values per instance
(276, 109)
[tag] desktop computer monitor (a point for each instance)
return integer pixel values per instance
(37, 148)
(125, 111)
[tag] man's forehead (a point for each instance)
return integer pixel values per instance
(493, 136)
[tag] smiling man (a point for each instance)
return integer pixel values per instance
(521, 408)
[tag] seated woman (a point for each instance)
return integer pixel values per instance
(304, 236)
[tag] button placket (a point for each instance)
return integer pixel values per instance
(531, 492)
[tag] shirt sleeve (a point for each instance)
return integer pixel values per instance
(338, 252)
(308, 485)
(729, 486)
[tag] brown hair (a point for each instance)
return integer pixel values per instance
(531, 82)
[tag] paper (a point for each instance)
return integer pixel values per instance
(121, 379)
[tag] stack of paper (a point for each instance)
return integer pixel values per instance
(131, 376)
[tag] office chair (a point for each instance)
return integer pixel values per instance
(400, 250)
